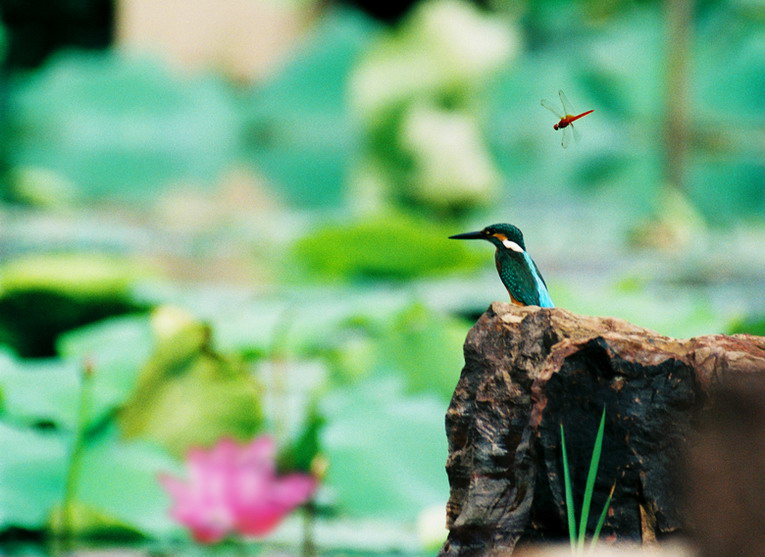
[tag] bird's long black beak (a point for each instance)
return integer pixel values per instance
(478, 235)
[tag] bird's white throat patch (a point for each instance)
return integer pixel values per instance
(509, 244)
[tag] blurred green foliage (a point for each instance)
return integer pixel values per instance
(418, 91)
(36, 433)
(159, 388)
(187, 394)
(85, 522)
(44, 296)
(369, 147)
(33, 472)
(305, 452)
(386, 247)
(420, 339)
(752, 325)
(117, 126)
(3, 41)
(384, 448)
(302, 109)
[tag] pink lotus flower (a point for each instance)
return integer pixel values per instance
(234, 488)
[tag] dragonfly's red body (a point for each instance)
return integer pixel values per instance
(566, 118)
(569, 118)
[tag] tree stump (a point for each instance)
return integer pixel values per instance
(527, 371)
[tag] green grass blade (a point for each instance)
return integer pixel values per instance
(569, 494)
(601, 520)
(590, 486)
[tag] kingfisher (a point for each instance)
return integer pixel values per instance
(516, 269)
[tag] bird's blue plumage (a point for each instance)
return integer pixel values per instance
(522, 278)
(516, 268)
(544, 296)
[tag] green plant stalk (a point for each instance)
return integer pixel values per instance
(278, 357)
(601, 520)
(569, 494)
(590, 486)
(75, 457)
(309, 523)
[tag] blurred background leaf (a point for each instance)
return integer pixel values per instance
(380, 248)
(73, 289)
(31, 475)
(235, 216)
(125, 127)
(187, 394)
(382, 446)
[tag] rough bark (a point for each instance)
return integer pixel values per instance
(527, 371)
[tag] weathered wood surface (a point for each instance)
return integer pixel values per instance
(528, 370)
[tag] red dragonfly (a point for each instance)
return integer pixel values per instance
(566, 118)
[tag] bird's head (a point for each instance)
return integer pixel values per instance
(503, 236)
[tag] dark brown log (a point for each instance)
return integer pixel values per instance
(527, 371)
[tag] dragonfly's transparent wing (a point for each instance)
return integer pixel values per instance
(551, 107)
(575, 133)
(567, 108)
(566, 138)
